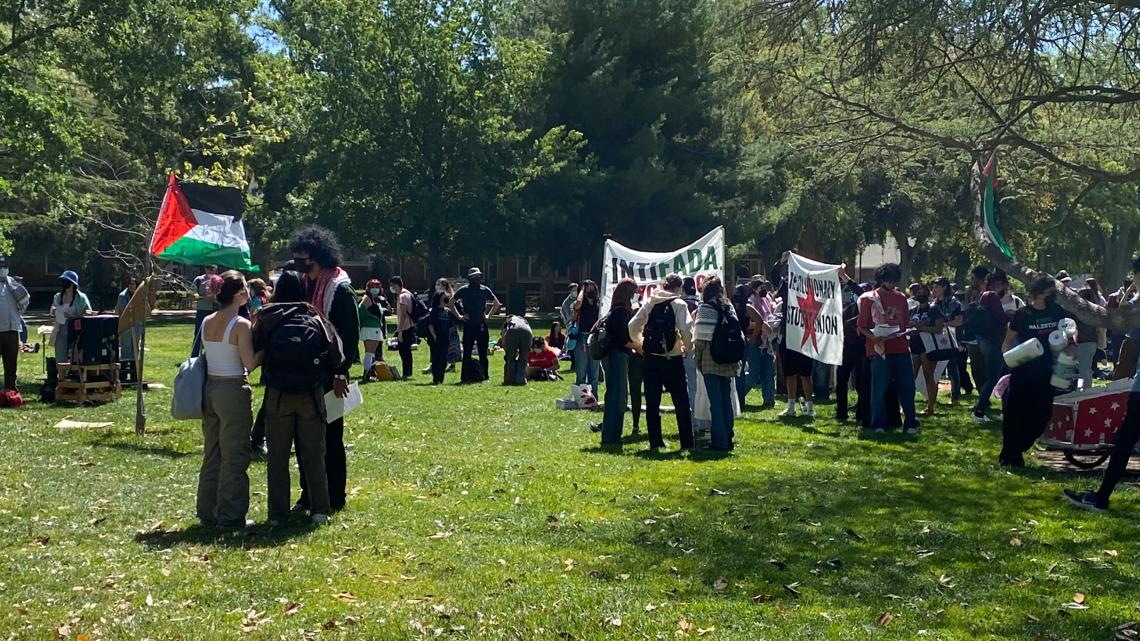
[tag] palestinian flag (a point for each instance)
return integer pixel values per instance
(201, 225)
(989, 207)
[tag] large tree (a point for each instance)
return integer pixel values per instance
(1047, 83)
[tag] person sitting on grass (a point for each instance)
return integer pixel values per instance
(542, 361)
(556, 338)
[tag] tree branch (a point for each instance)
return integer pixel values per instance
(34, 34)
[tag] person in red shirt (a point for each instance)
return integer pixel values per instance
(541, 361)
(884, 318)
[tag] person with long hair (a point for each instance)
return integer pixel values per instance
(67, 305)
(926, 318)
(719, 378)
(953, 315)
(294, 394)
(227, 412)
(587, 310)
(616, 362)
(317, 256)
(556, 338)
(440, 324)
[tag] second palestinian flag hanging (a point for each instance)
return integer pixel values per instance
(201, 225)
(989, 207)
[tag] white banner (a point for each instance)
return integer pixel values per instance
(701, 260)
(815, 310)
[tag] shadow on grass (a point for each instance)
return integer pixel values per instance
(256, 536)
(141, 448)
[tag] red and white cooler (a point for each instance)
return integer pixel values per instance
(1088, 420)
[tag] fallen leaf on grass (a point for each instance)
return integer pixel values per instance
(793, 589)
(347, 597)
(649, 607)
(721, 584)
(778, 563)
(292, 609)
(761, 598)
(612, 621)
(623, 577)
(716, 492)
(1032, 619)
(568, 564)
(252, 619)
(1126, 631)
(684, 625)
(946, 581)
(1111, 552)
(853, 534)
(1015, 542)
(886, 618)
(63, 631)
(703, 631)
(150, 600)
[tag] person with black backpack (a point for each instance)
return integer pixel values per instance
(664, 329)
(300, 353)
(718, 346)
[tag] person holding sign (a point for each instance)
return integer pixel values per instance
(884, 319)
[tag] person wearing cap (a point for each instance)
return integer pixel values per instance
(1064, 278)
(14, 300)
(478, 302)
(68, 304)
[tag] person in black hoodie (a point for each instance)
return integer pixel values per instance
(317, 256)
(291, 334)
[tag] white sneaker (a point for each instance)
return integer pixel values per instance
(788, 413)
(809, 412)
(980, 419)
(320, 519)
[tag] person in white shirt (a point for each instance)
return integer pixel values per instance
(665, 331)
(14, 300)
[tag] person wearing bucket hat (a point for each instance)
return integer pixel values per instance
(14, 300)
(68, 304)
(477, 302)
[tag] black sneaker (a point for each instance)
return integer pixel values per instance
(1086, 501)
(595, 427)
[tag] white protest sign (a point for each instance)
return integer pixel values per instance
(815, 310)
(702, 260)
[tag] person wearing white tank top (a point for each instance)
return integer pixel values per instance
(227, 418)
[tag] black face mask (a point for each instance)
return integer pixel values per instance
(922, 298)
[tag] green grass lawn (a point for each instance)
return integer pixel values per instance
(483, 512)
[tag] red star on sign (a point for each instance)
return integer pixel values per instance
(809, 309)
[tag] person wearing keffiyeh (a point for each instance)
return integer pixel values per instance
(317, 255)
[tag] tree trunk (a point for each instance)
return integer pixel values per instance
(546, 288)
(1122, 319)
(1118, 248)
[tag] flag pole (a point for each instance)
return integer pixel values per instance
(140, 353)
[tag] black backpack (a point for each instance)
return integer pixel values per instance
(297, 357)
(419, 310)
(981, 322)
(660, 332)
(728, 342)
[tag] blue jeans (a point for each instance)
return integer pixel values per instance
(897, 368)
(995, 365)
(761, 371)
(585, 368)
(617, 392)
(691, 378)
(199, 316)
(720, 406)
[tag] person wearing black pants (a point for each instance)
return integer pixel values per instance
(1123, 448)
(317, 255)
(636, 382)
(477, 303)
(668, 374)
(476, 336)
(439, 336)
(1028, 400)
(405, 325)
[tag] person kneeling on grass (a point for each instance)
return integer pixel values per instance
(542, 361)
(516, 338)
(301, 353)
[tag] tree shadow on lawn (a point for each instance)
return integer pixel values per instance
(892, 525)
